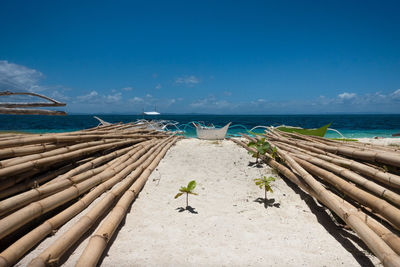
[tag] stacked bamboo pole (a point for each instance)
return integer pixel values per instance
(358, 182)
(40, 174)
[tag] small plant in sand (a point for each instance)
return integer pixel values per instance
(187, 190)
(261, 146)
(266, 183)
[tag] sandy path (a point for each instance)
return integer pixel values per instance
(230, 228)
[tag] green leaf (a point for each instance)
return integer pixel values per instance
(183, 189)
(191, 185)
(178, 195)
(193, 193)
(250, 144)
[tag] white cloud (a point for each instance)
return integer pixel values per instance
(127, 88)
(346, 96)
(14, 77)
(95, 98)
(187, 80)
(395, 94)
(113, 98)
(136, 100)
(158, 86)
(93, 95)
(59, 96)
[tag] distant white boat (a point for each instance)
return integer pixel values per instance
(151, 113)
(211, 133)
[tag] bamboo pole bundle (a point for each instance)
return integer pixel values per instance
(120, 130)
(390, 158)
(389, 212)
(52, 254)
(382, 231)
(28, 177)
(54, 138)
(380, 206)
(37, 180)
(274, 136)
(26, 214)
(98, 241)
(309, 146)
(386, 255)
(22, 151)
(97, 161)
(363, 232)
(21, 246)
(54, 152)
(352, 176)
(371, 172)
(48, 161)
(71, 178)
(357, 144)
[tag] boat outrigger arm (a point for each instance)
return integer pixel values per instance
(20, 108)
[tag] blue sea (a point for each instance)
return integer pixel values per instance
(351, 126)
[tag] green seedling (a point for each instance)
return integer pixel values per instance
(187, 190)
(266, 183)
(261, 147)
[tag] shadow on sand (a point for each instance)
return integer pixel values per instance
(188, 208)
(345, 238)
(268, 202)
(255, 164)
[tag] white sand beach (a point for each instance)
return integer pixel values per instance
(381, 141)
(229, 227)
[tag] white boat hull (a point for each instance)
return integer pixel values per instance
(212, 133)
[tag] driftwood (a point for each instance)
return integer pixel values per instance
(17, 108)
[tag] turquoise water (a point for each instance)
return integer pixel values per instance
(351, 126)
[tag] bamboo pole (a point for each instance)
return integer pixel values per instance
(386, 234)
(52, 254)
(385, 157)
(35, 209)
(389, 212)
(48, 161)
(65, 149)
(352, 176)
(380, 206)
(22, 151)
(25, 198)
(99, 241)
(21, 246)
(97, 161)
(385, 254)
(37, 180)
(23, 111)
(54, 138)
(371, 172)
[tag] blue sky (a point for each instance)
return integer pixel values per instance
(224, 57)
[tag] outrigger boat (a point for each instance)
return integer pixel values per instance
(314, 132)
(211, 133)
